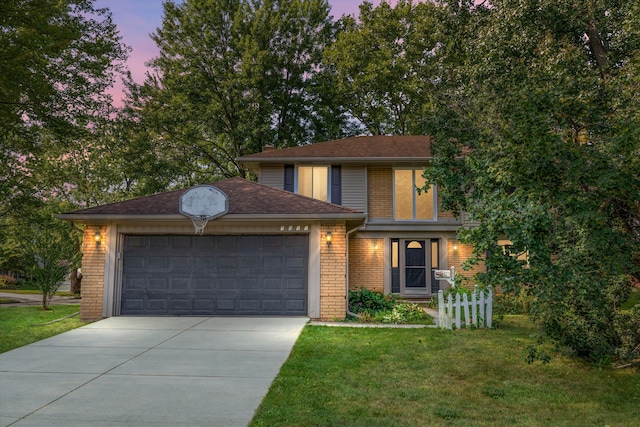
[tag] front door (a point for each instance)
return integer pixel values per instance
(412, 262)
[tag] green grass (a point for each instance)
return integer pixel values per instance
(18, 324)
(398, 377)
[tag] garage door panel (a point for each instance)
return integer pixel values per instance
(296, 305)
(213, 275)
(180, 263)
(182, 242)
(133, 283)
(294, 263)
(272, 283)
(156, 242)
(294, 284)
(180, 283)
(274, 305)
(155, 283)
(203, 283)
(157, 263)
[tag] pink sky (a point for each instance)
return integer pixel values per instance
(139, 18)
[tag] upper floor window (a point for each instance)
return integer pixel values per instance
(320, 182)
(408, 204)
(313, 181)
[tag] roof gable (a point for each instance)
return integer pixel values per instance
(245, 198)
(359, 148)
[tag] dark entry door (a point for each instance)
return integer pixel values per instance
(215, 275)
(412, 264)
(415, 266)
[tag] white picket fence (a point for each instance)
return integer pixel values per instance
(477, 313)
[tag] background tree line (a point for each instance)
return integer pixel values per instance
(532, 105)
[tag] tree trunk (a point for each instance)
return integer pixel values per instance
(75, 282)
(598, 49)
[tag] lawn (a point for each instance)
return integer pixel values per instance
(22, 325)
(397, 377)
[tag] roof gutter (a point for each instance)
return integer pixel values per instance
(225, 218)
(331, 159)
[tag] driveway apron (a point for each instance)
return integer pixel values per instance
(147, 371)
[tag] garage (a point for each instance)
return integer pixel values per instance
(215, 275)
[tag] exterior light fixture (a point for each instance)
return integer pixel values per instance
(97, 237)
(455, 247)
(329, 237)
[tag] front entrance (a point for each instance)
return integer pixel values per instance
(412, 264)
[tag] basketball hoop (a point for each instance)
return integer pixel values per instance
(199, 223)
(202, 204)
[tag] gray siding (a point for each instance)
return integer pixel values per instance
(273, 176)
(354, 187)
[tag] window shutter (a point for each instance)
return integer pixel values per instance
(288, 177)
(336, 185)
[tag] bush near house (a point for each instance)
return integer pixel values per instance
(371, 306)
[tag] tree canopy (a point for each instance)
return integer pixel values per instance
(57, 58)
(537, 131)
(384, 64)
(231, 77)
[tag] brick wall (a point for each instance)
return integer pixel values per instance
(333, 272)
(443, 214)
(366, 266)
(458, 256)
(92, 274)
(380, 192)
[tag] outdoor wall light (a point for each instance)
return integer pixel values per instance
(97, 237)
(329, 237)
(455, 247)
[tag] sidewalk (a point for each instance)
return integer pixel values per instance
(26, 300)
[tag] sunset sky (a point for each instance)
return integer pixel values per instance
(137, 19)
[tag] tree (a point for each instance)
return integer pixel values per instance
(384, 64)
(49, 249)
(57, 58)
(543, 152)
(231, 77)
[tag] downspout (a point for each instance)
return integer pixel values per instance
(347, 276)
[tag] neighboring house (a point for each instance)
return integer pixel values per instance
(323, 218)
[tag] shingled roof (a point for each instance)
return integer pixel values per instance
(378, 148)
(246, 198)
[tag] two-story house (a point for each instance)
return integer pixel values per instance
(322, 219)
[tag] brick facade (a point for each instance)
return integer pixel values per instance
(458, 256)
(380, 191)
(443, 214)
(333, 272)
(366, 265)
(93, 256)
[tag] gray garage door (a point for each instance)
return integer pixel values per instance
(215, 275)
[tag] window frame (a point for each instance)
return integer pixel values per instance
(414, 196)
(327, 183)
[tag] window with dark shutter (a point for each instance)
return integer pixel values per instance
(289, 171)
(336, 185)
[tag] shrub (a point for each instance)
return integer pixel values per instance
(8, 282)
(365, 300)
(405, 313)
(511, 303)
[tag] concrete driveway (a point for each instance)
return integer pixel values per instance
(147, 371)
